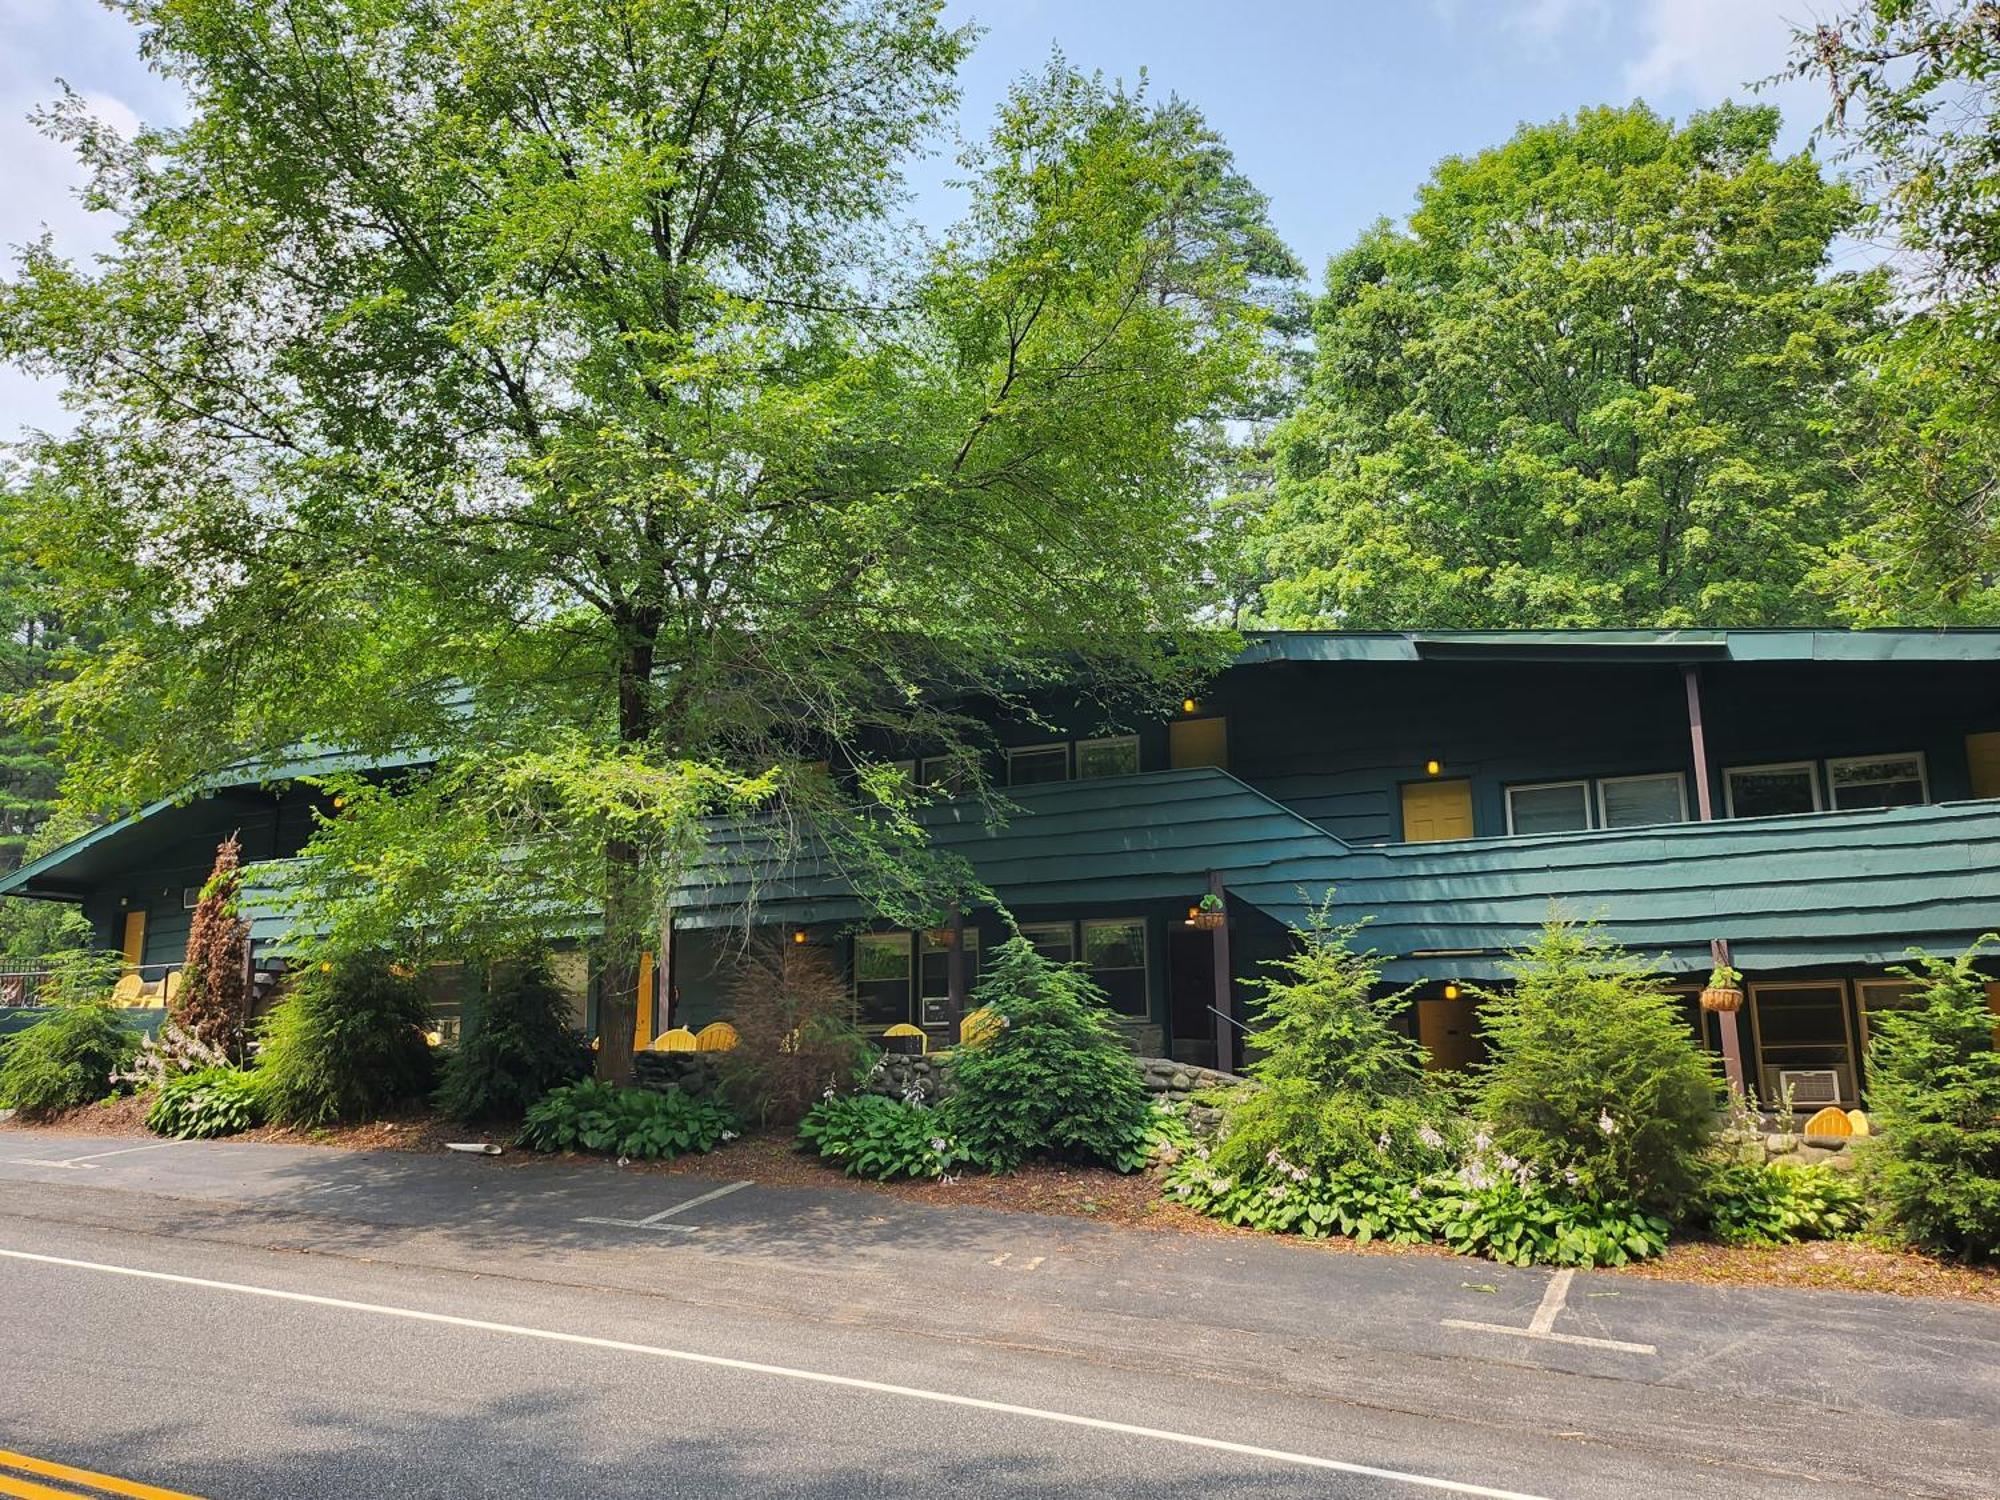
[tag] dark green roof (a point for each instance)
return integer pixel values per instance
(1755, 645)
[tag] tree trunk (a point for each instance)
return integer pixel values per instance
(618, 981)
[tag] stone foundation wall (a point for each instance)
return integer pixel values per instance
(897, 1076)
(690, 1072)
(1808, 1151)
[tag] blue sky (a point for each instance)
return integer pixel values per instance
(1337, 109)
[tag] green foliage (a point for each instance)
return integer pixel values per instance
(346, 1041)
(1360, 1199)
(1537, 1225)
(650, 258)
(1934, 1102)
(874, 1136)
(68, 1058)
(215, 1101)
(1592, 1075)
(1780, 1204)
(629, 1122)
(796, 1032)
(1594, 383)
(517, 1045)
(1335, 1081)
(1054, 1080)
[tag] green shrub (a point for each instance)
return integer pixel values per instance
(518, 1044)
(1336, 1081)
(1054, 1079)
(1747, 1204)
(632, 1122)
(1934, 1099)
(1362, 1200)
(198, 1106)
(345, 1042)
(873, 1136)
(796, 1032)
(68, 1058)
(1593, 1078)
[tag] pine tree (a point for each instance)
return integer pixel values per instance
(213, 1002)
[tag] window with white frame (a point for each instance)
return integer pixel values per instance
(1770, 791)
(1055, 941)
(1033, 765)
(1550, 807)
(882, 978)
(1877, 781)
(1117, 756)
(934, 973)
(1114, 950)
(1641, 801)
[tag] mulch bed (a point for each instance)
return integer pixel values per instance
(1106, 1197)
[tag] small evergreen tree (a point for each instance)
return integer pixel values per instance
(1934, 1098)
(518, 1045)
(346, 1042)
(1054, 1079)
(213, 1003)
(1336, 1080)
(1592, 1073)
(797, 1032)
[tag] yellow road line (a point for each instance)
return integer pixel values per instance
(110, 1484)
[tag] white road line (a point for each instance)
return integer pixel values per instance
(72, 1162)
(656, 1221)
(1542, 1324)
(785, 1372)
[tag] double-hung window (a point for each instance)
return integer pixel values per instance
(942, 775)
(1055, 941)
(1114, 951)
(1118, 756)
(1550, 807)
(1877, 781)
(1032, 765)
(1640, 801)
(1771, 791)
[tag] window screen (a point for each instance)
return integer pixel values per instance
(1555, 808)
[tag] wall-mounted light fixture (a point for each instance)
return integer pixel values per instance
(1433, 766)
(1451, 992)
(1189, 706)
(799, 935)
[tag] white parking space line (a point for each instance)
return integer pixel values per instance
(1542, 1324)
(658, 1220)
(83, 1163)
(786, 1372)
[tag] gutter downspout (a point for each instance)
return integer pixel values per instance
(1732, 1041)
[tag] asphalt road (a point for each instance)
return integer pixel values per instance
(229, 1320)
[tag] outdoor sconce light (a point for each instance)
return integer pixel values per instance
(1432, 767)
(799, 935)
(1188, 706)
(1451, 992)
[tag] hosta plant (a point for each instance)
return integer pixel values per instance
(629, 1122)
(1781, 1204)
(198, 1106)
(873, 1136)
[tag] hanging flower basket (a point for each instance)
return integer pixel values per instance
(1205, 919)
(938, 937)
(1722, 998)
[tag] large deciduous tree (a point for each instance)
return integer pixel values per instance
(1915, 100)
(1590, 384)
(551, 385)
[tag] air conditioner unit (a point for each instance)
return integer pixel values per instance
(1810, 1088)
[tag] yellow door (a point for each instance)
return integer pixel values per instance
(1198, 742)
(1982, 757)
(1449, 1030)
(133, 945)
(1437, 810)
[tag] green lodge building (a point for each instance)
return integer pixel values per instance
(1805, 805)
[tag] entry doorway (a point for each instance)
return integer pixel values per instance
(1190, 993)
(1449, 1030)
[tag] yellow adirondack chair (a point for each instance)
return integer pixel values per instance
(680, 1039)
(1830, 1122)
(129, 990)
(716, 1036)
(904, 1028)
(978, 1026)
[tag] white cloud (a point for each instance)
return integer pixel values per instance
(1712, 49)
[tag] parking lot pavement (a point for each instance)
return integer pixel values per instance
(1846, 1383)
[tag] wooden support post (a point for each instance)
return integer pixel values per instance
(1225, 1011)
(663, 977)
(1704, 801)
(954, 968)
